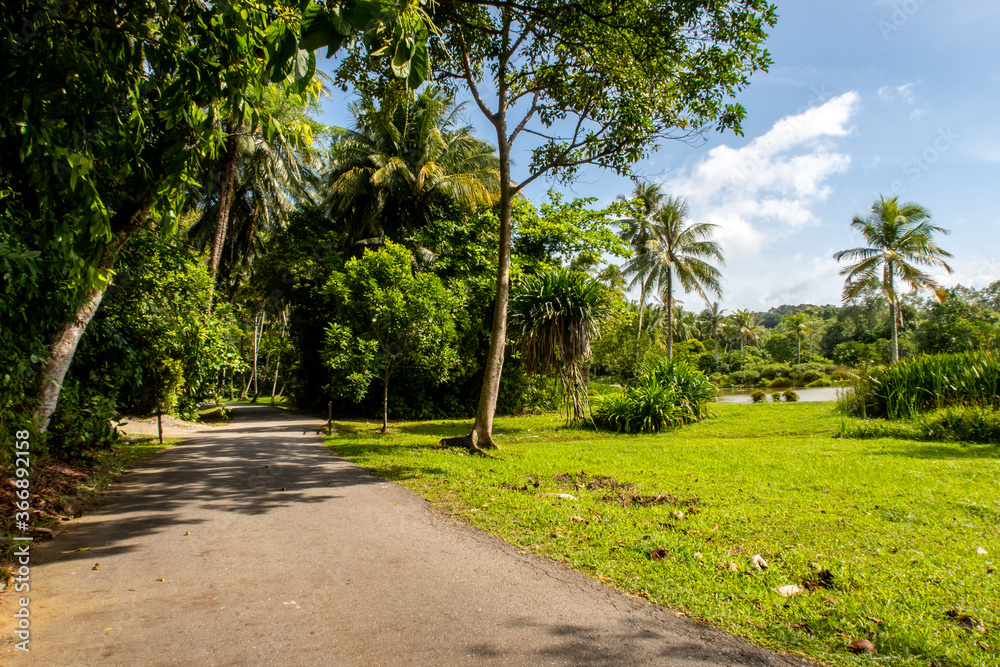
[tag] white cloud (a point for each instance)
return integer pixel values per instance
(765, 189)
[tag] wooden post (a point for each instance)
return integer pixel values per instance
(329, 418)
(159, 424)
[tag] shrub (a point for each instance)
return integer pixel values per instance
(790, 396)
(772, 371)
(926, 383)
(780, 383)
(776, 397)
(821, 382)
(666, 395)
(744, 378)
(960, 424)
(810, 376)
(842, 374)
(758, 396)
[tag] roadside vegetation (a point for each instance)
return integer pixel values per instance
(888, 540)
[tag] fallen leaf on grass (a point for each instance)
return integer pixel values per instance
(659, 554)
(576, 518)
(861, 646)
(758, 562)
(790, 590)
(699, 556)
(981, 551)
(677, 514)
(564, 496)
(732, 567)
(966, 621)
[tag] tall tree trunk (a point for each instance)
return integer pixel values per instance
(638, 333)
(63, 348)
(893, 306)
(715, 336)
(670, 314)
(798, 347)
(482, 431)
(227, 180)
(385, 402)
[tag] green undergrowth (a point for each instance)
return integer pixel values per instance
(886, 537)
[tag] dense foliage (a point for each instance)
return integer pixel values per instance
(667, 394)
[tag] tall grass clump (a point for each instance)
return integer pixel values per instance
(930, 382)
(669, 393)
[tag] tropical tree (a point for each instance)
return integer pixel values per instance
(799, 325)
(901, 243)
(677, 250)
(637, 231)
(389, 319)
(106, 123)
(745, 327)
(592, 86)
(556, 315)
(713, 318)
(404, 160)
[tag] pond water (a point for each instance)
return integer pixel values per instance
(806, 394)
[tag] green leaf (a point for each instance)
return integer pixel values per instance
(419, 67)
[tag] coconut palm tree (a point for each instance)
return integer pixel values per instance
(799, 324)
(677, 250)
(638, 230)
(745, 327)
(712, 319)
(555, 315)
(901, 243)
(403, 163)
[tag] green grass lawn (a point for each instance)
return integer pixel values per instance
(883, 534)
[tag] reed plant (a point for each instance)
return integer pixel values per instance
(922, 384)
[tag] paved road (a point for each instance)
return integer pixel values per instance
(297, 557)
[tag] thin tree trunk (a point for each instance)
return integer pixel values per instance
(385, 402)
(226, 182)
(715, 336)
(638, 333)
(482, 431)
(670, 314)
(63, 348)
(894, 347)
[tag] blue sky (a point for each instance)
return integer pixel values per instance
(865, 97)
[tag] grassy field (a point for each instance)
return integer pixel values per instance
(892, 541)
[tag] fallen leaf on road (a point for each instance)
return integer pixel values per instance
(187, 532)
(73, 551)
(108, 629)
(96, 567)
(161, 579)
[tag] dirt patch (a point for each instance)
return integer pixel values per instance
(583, 481)
(631, 499)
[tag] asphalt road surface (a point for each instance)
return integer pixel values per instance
(253, 544)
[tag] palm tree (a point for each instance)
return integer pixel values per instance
(638, 230)
(900, 243)
(403, 163)
(676, 249)
(799, 324)
(712, 320)
(744, 326)
(555, 315)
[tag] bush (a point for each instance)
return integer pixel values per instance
(821, 382)
(810, 376)
(927, 383)
(744, 378)
(776, 397)
(790, 396)
(666, 395)
(962, 424)
(772, 371)
(780, 383)
(758, 396)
